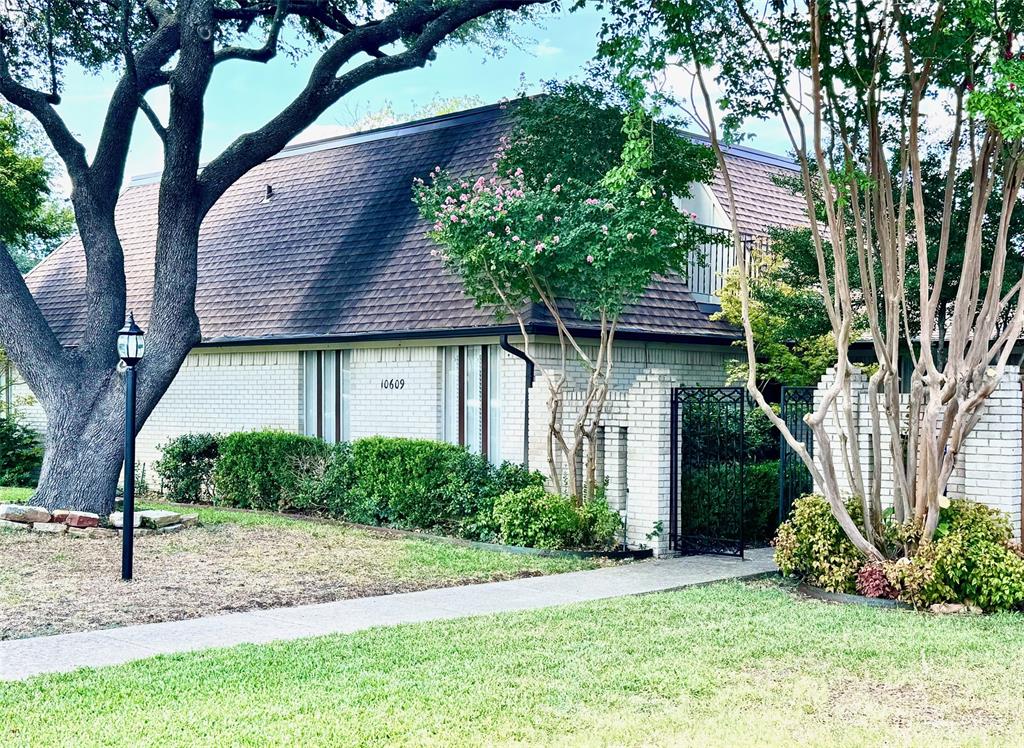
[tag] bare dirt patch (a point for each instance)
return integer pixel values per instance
(58, 584)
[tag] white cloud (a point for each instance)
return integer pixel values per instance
(546, 49)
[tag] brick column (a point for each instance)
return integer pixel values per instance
(647, 456)
(992, 456)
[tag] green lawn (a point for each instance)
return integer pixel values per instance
(14, 495)
(722, 665)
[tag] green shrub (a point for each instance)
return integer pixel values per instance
(186, 468)
(813, 546)
(264, 469)
(969, 561)
(21, 454)
(600, 525)
(423, 484)
(537, 519)
(711, 508)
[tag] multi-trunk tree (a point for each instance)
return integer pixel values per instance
(178, 46)
(871, 96)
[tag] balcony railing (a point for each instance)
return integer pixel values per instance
(714, 258)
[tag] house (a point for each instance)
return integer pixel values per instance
(323, 311)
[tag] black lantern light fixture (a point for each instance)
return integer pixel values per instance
(131, 347)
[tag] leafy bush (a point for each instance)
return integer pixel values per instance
(600, 525)
(873, 582)
(812, 545)
(264, 469)
(186, 468)
(711, 510)
(537, 519)
(971, 560)
(21, 454)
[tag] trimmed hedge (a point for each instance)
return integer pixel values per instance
(186, 468)
(265, 469)
(405, 483)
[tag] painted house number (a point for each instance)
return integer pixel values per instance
(392, 384)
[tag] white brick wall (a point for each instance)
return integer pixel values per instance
(223, 391)
(989, 465)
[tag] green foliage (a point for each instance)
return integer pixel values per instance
(536, 518)
(21, 453)
(31, 224)
(812, 545)
(418, 483)
(186, 468)
(546, 224)
(1000, 100)
(263, 469)
(600, 525)
(710, 504)
(969, 561)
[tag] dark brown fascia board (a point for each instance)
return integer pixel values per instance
(464, 332)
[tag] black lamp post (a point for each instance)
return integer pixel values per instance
(131, 346)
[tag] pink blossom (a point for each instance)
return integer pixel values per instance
(540, 216)
(490, 234)
(557, 188)
(592, 201)
(604, 229)
(558, 219)
(540, 247)
(590, 259)
(693, 216)
(515, 238)
(455, 218)
(629, 236)
(654, 232)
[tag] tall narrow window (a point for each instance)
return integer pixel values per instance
(494, 404)
(326, 395)
(311, 390)
(473, 384)
(346, 395)
(329, 399)
(450, 416)
(471, 398)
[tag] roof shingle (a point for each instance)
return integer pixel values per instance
(340, 250)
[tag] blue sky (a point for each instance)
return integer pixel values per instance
(244, 95)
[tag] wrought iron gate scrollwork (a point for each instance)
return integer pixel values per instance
(708, 461)
(794, 477)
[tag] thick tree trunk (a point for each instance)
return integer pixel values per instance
(84, 445)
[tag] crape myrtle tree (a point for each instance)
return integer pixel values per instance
(176, 46)
(866, 92)
(560, 221)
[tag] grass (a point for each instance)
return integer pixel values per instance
(14, 495)
(722, 665)
(237, 560)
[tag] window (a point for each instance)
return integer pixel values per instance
(471, 398)
(327, 394)
(494, 404)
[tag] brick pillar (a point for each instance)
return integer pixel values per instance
(992, 454)
(647, 457)
(835, 423)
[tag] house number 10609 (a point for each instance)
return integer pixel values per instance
(392, 384)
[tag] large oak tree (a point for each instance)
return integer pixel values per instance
(152, 44)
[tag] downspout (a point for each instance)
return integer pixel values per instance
(506, 346)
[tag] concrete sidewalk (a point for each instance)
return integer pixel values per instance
(22, 658)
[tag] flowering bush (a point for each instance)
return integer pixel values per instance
(812, 545)
(555, 222)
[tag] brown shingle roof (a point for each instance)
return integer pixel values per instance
(340, 250)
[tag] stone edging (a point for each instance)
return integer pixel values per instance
(817, 593)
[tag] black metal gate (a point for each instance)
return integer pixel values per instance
(707, 486)
(794, 477)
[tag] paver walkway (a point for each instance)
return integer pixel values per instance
(22, 658)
